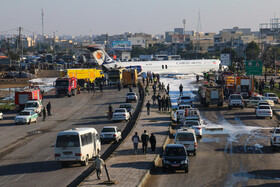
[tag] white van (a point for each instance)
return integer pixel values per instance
(77, 145)
(186, 137)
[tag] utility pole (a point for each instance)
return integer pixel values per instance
(43, 24)
(20, 43)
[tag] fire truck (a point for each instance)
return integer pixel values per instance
(66, 86)
(21, 97)
(211, 93)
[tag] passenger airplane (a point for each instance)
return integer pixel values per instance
(160, 67)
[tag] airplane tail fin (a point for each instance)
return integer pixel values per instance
(100, 55)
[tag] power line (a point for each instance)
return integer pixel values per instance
(15, 29)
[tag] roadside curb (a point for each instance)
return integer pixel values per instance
(147, 175)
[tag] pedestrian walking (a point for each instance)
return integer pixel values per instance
(145, 140)
(148, 105)
(147, 90)
(154, 99)
(92, 87)
(181, 89)
(167, 89)
(153, 142)
(130, 88)
(99, 163)
(49, 108)
(163, 103)
(135, 140)
(101, 87)
(44, 114)
(197, 78)
(159, 102)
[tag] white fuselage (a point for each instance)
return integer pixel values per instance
(170, 67)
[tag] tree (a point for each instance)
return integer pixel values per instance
(252, 51)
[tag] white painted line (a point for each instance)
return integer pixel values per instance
(20, 177)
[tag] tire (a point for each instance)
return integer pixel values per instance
(63, 164)
(194, 153)
(257, 117)
(242, 107)
(187, 169)
(85, 163)
(270, 117)
(229, 107)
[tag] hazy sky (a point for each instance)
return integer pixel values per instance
(77, 17)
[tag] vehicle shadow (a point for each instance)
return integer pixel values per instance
(260, 174)
(137, 165)
(249, 150)
(31, 167)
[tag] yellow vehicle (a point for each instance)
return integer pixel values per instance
(85, 74)
(129, 77)
(115, 76)
(211, 93)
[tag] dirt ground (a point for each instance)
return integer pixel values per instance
(12, 83)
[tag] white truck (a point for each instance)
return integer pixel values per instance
(235, 100)
(178, 114)
(275, 138)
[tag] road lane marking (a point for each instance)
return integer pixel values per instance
(20, 177)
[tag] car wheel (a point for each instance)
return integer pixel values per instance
(242, 107)
(187, 169)
(257, 117)
(194, 153)
(85, 163)
(270, 117)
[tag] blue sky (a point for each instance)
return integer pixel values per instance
(77, 17)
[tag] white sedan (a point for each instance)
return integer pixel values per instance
(185, 100)
(26, 116)
(110, 133)
(264, 111)
(194, 124)
(121, 114)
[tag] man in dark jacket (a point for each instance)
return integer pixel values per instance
(44, 114)
(49, 108)
(148, 105)
(153, 142)
(145, 140)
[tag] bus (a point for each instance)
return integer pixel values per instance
(77, 145)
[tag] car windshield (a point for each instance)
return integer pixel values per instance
(264, 107)
(272, 95)
(119, 111)
(31, 104)
(67, 141)
(125, 106)
(130, 94)
(188, 123)
(277, 131)
(175, 151)
(185, 98)
(264, 103)
(108, 130)
(235, 97)
(185, 137)
(24, 113)
(185, 106)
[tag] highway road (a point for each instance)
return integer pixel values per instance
(27, 151)
(240, 155)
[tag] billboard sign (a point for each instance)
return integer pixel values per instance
(253, 67)
(225, 59)
(122, 45)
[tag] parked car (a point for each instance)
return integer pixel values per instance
(26, 116)
(121, 114)
(128, 107)
(194, 124)
(110, 133)
(272, 96)
(235, 100)
(1, 116)
(131, 96)
(184, 100)
(175, 157)
(264, 111)
(186, 137)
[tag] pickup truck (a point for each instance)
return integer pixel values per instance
(178, 114)
(275, 138)
(235, 100)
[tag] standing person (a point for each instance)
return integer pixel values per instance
(135, 140)
(153, 142)
(181, 89)
(99, 163)
(49, 108)
(130, 88)
(143, 80)
(159, 102)
(101, 87)
(167, 103)
(110, 108)
(44, 114)
(148, 105)
(92, 87)
(163, 106)
(145, 140)
(197, 78)
(119, 86)
(168, 89)
(147, 90)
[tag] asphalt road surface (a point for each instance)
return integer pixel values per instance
(27, 151)
(239, 155)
